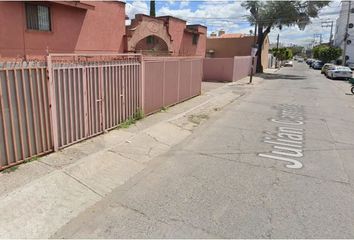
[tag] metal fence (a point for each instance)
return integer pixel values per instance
(48, 105)
(25, 127)
(45, 106)
(91, 94)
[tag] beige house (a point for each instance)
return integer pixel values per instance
(229, 45)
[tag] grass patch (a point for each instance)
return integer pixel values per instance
(138, 115)
(164, 109)
(127, 123)
(14, 168)
(10, 170)
(31, 159)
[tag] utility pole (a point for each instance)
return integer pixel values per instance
(326, 24)
(254, 45)
(316, 35)
(344, 60)
(276, 58)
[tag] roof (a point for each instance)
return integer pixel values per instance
(168, 16)
(232, 35)
(77, 4)
(196, 25)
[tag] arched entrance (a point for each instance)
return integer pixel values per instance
(148, 35)
(152, 45)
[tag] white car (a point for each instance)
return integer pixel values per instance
(339, 72)
(288, 64)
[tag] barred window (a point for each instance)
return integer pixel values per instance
(38, 17)
(195, 39)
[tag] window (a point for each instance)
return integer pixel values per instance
(349, 42)
(37, 17)
(352, 10)
(346, 57)
(195, 39)
(351, 25)
(150, 40)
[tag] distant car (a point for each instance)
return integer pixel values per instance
(325, 68)
(300, 60)
(350, 65)
(339, 72)
(288, 64)
(309, 61)
(314, 62)
(318, 65)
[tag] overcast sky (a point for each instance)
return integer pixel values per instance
(229, 15)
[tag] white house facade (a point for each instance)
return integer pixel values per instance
(341, 25)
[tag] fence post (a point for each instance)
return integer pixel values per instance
(85, 104)
(52, 103)
(102, 98)
(142, 83)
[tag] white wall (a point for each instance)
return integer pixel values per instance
(340, 30)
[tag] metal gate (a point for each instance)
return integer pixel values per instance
(91, 93)
(25, 128)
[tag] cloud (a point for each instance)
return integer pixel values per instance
(230, 16)
(183, 3)
(135, 7)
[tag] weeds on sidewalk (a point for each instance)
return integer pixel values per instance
(9, 170)
(138, 115)
(164, 109)
(14, 168)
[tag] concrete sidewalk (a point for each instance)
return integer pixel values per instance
(40, 197)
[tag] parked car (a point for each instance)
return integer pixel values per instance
(317, 65)
(350, 65)
(332, 67)
(339, 72)
(300, 60)
(310, 61)
(325, 68)
(288, 64)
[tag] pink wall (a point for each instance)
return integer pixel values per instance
(218, 69)
(238, 46)
(226, 69)
(182, 41)
(175, 29)
(73, 29)
(190, 49)
(170, 80)
(242, 67)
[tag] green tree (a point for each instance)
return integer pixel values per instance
(152, 8)
(282, 53)
(277, 14)
(316, 52)
(296, 50)
(328, 54)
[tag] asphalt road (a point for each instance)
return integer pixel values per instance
(277, 163)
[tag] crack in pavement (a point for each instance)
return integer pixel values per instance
(274, 168)
(83, 184)
(214, 235)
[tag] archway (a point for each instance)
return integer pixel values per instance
(152, 45)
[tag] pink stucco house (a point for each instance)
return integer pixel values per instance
(35, 28)
(165, 35)
(31, 28)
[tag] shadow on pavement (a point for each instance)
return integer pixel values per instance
(276, 76)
